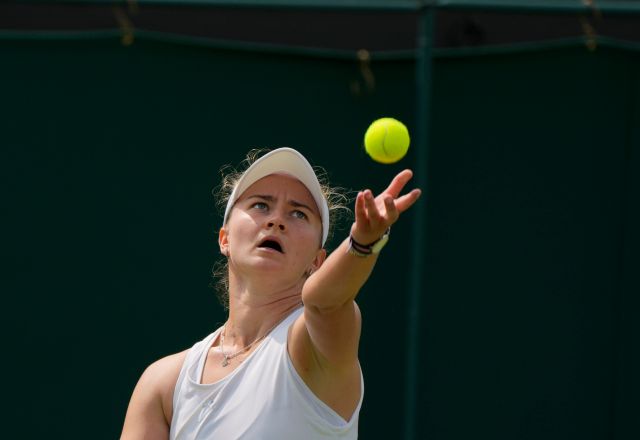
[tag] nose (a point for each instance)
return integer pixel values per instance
(275, 223)
(276, 219)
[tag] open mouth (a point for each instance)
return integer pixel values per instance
(271, 244)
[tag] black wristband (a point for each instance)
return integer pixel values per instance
(365, 250)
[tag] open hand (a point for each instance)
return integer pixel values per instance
(375, 215)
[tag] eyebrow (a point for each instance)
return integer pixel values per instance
(293, 203)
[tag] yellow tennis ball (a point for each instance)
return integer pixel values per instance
(387, 140)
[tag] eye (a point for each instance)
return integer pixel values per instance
(299, 214)
(260, 206)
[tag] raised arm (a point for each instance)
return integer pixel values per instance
(331, 316)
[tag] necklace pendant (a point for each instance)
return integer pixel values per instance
(225, 361)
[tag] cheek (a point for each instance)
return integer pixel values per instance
(240, 227)
(313, 229)
(309, 243)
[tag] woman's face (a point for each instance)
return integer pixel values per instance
(275, 228)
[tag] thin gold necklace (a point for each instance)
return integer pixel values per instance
(227, 357)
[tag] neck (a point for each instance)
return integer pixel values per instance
(252, 314)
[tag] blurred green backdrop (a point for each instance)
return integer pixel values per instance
(528, 314)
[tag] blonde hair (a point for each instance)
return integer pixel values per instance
(336, 198)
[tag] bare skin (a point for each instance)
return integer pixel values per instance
(267, 284)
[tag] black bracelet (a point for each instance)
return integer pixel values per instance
(357, 249)
(363, 250)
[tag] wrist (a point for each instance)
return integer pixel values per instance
(365, 250)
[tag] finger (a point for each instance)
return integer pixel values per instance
(372, 210)
(392, 213)
(397, 184)
(403, 203)
(361, 215)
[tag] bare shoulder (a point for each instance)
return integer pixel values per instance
(151, 405)
(164, 373)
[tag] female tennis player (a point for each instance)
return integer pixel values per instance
(285, 363)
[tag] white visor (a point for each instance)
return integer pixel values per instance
(287, 161)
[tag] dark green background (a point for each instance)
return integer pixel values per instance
(528, 317)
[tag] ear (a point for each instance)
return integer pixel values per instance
(318, 260)
(223, 241)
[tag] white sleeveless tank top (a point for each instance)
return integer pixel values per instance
(264, 398)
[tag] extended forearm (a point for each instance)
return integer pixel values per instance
(338, 280)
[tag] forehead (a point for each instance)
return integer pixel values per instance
(282, 185)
